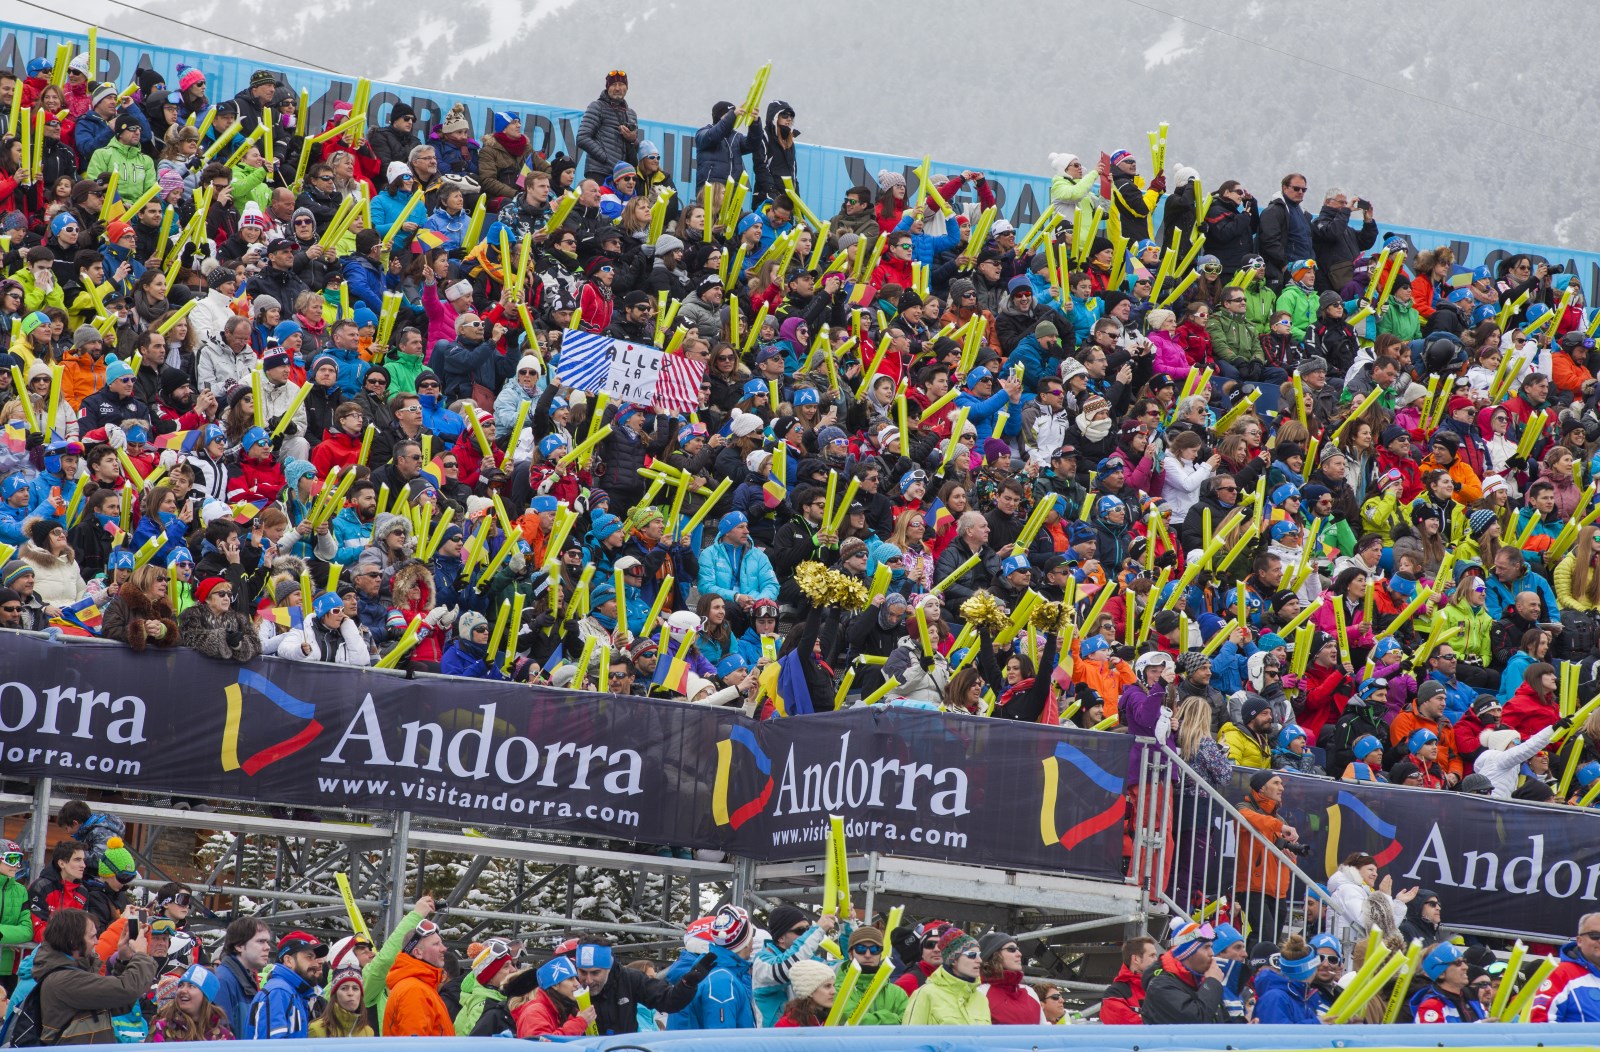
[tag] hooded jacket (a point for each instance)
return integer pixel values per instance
(1259, 869)
(1174, 994)
(78, 996)
(415, 1008)
(769, 158)
(1414, 926)
(1281, 1001)
(281, 1009)
(616, 1006)
(1572, 993)
(541, 1015)
(723, 1000)
(1012, 1002)
(1120, 1004)
(888, 1007)
(947, 1000)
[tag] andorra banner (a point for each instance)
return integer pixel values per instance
(909, 782)
(1497, 865)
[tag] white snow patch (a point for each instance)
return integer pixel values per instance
(1167, 48)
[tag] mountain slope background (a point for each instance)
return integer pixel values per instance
(1445, 116)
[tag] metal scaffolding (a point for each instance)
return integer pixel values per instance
(283, 868)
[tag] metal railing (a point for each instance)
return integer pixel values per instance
(1199, 857)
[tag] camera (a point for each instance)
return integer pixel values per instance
(1556, 268)
(1297, 849)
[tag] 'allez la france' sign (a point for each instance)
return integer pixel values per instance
(635, 369)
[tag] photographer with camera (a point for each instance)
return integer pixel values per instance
(1336, 243)
(1264, 882)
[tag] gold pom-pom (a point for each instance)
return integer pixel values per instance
(825, 587)
(1045, 617)
(1051, 617)
(812, 579)
(983, 610)
(848, 592)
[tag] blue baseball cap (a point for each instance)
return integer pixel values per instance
(1324, 941)
(544, 504)
(1093, 645)
(1440, 958)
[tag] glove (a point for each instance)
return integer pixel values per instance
(435, 617)
(1563, 723)
(448, 617)
(703, 967)
(1516, 463)
(116, 438)
(926, 661)
(235, 635)
(1159, 183)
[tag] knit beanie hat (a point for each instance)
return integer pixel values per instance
(888, 180)
(953, 943)
(866, 935)
(806, 977)
(782, 918)
(117, 859)
(1190, 938)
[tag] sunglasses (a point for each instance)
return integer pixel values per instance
(1329, 958)
(867, 951)
(799, 929)
(971, 955)
(127, 876)
(1054, 997)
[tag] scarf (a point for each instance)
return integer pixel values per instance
(514, 144)
(1094, 430)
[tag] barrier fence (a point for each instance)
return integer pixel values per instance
(824, 173)
(913, 784)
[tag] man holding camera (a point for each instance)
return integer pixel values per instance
(1337, 244)
(1264, 880)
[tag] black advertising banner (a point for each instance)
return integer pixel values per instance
(910, 783)
(1500, 865)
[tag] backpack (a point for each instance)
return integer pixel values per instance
(24, 1028)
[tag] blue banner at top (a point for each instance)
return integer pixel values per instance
(825, 173)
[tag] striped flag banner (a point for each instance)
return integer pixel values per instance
(585, 360)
